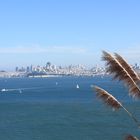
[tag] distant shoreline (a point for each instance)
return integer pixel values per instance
(26, 75)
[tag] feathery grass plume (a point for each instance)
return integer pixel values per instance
(119, 71)
(130, 137)
(107, 98)
(112, 101)
(127, 67)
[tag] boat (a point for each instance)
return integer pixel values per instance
(20, 91)
(2, 90)
(77, 86)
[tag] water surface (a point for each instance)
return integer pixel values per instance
(54, 109)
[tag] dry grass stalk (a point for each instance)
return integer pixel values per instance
(130, 137)
(107, 98)
(123, 73)
(112, 101)
(128, 68)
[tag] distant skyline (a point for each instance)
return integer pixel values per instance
(67, 32)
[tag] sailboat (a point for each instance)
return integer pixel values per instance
(77, 86)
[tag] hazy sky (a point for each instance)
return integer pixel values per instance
(67, 31)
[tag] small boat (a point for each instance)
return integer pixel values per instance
(20, 91)
(77, 86)
(3, 89)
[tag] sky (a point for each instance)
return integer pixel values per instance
(66, 32)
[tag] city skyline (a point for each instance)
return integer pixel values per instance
(51, 70)
(67, 32)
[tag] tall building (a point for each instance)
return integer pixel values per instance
(16, 69)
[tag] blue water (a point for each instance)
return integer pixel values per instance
(49, 111)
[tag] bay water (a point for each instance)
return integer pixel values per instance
(54, 109)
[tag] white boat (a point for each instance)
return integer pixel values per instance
(3, 89)
(77, 86)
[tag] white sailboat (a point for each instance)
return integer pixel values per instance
(77, 86)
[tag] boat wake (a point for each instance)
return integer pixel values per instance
(20, 90)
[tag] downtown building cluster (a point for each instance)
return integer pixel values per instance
(50, 70)
(53, 70)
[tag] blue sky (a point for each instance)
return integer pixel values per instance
(67, 31)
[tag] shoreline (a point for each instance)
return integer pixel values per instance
(25, 75)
